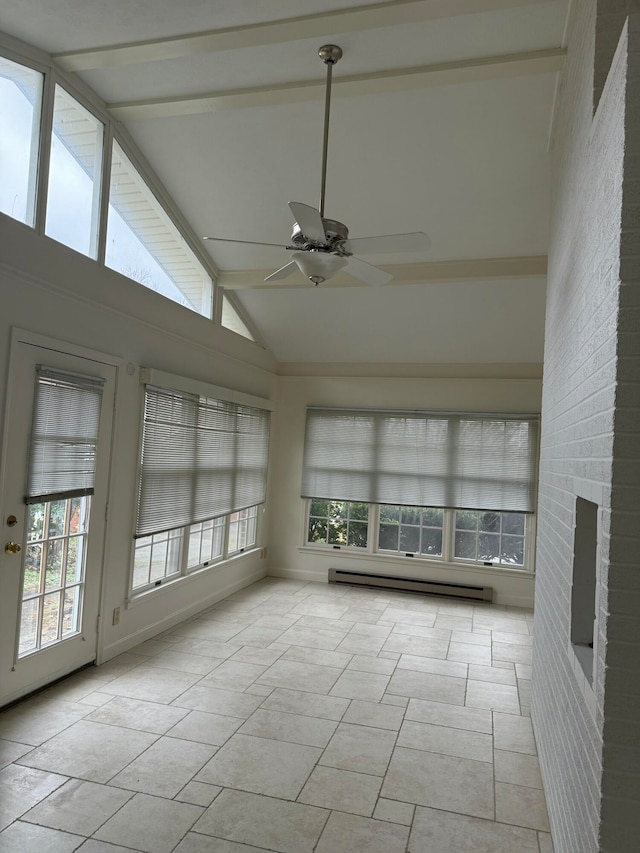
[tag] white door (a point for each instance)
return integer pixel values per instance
(51, 551)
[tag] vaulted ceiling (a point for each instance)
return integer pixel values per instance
(441, 122)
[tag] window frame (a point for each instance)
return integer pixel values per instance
(448, 558)
(53, 75)
(183, 569)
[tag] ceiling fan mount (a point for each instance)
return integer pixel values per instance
(321, 246)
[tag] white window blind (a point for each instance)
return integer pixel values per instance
(64, 435)
(467, 461)
(201, 458)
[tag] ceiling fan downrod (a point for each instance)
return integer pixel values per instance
(329, 54)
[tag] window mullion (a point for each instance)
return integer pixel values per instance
(44, 151)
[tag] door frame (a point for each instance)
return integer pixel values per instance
(20, 337)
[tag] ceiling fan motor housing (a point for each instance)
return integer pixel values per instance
(336, 233)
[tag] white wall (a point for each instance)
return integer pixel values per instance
(587, 734)
(295, 393)
(48, 289)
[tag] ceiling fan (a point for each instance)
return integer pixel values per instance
(321, 247)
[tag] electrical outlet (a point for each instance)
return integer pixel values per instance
(116, 616)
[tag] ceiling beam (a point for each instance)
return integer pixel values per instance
(373, 83)
(323, 24)
(426, 272)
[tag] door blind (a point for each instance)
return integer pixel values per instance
(201, 458)
(467, 461)
(64, 435)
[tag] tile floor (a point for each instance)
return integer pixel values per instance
(291, 717)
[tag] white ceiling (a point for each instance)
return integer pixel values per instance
(459, 152)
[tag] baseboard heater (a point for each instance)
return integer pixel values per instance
(457, 590)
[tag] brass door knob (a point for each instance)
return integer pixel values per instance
(12, 548)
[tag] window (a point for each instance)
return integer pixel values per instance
(411, 529)
(494, 537)
(20, 102)
(242, 530)
(144, 244)
(75, 168)
(338, 523)
(172, 554)
(449, 487)
(232, 320)
(428, 533)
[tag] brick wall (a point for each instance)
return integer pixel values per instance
(577, 449)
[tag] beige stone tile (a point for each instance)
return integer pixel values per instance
(360, 644)
(454, 623)
(233, 675)
(469, 653)
(10, 751)
(474, 638)
(494, 674)
(442, 782)
(365, 663)
(198, 794)
(301, 676)
(90, 751)
(375, 715)
(371, 630)
(208, 648)
(261, 766)
(21, 837)
(512, 652)
(521, 806)
(446, 832)
(495, 697)
(164, 768)
(320, 608)
(308, 704)
(292, 728)
(411, 629)
(193, 842)
(44, 720)
(259, 637)
(78, 807)
(271, 823)
(446, 740)
(545, 842)
(390, 699)
(513, 734)
(425, 685)
(215, 701)
(517, 768)
(342, 790)
(347, 833)
(455, 716)
(509, 637)
(340, 625)
(320, 657)
(199, 726)
(149, 824)
(424, 647)
(184, 662)
(437, 666)
(151, 683)
(137, 714)
(408, 617)
(22, 788)
(394, 812)
(354, 684)
(359, 748)
(523, 670)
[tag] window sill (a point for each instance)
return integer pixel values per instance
(136, 598)
(398, 560)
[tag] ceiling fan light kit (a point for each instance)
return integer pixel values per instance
(321, 247)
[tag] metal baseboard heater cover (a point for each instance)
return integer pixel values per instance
(457, 590)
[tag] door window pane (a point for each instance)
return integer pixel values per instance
(20, 104)
(75, 170)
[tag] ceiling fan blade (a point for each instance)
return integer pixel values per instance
(413, 242)
(283, 272)
(248, 242)
(309, 220)
(367, 273)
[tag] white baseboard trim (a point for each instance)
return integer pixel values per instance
(149, 631)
